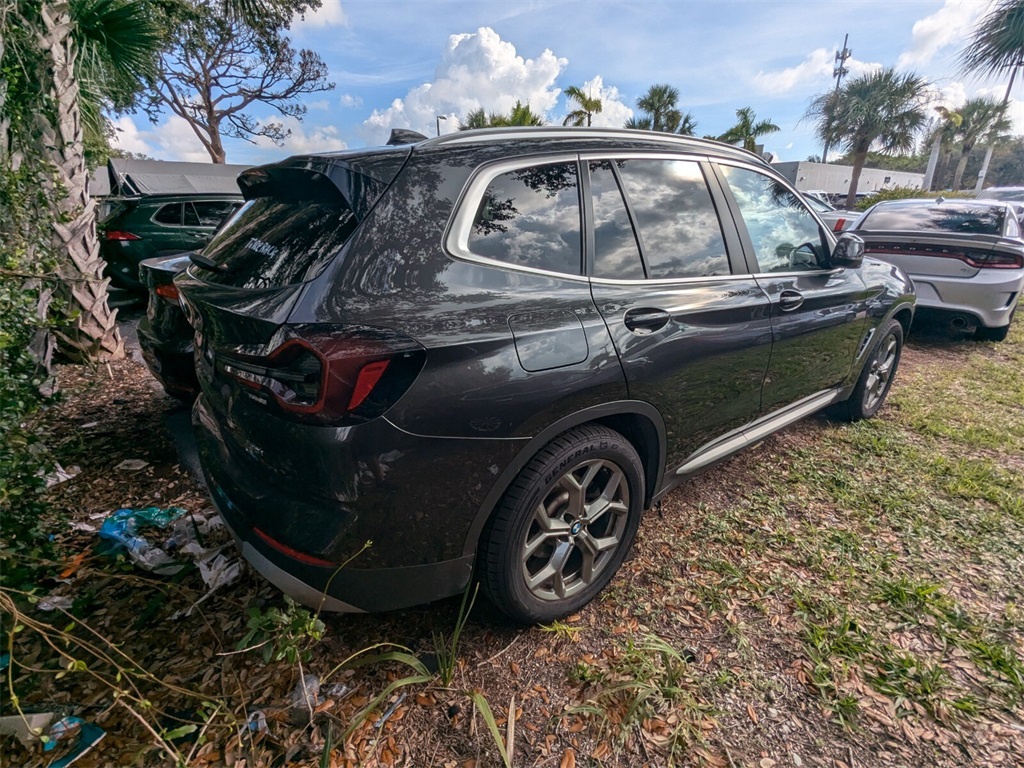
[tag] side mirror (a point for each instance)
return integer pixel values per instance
(849, 251)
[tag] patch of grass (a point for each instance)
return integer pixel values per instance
(646, 684)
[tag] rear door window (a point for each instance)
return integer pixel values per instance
(616, 254)
(530, 217)
(680, 234)
(210, 213)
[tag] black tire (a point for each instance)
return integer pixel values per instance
(564, 526)
(877, 375)
(981, 333)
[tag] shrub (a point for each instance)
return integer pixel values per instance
(904, 193)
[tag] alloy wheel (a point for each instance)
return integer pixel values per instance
(575, 530)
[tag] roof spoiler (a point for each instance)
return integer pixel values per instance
(404, 136)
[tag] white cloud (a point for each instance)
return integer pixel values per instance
(1014, 109)
(330, 14)
(476, 70)
(175, 140)
(815, 69)
(304, 139)
(171, 140)
(944, 28)
(614, 112)
(322, 105)
(349, 101)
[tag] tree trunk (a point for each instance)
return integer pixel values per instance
(93, 334)
(984, 170)
(958, 175)
(941, 172)
(933, 161)
(859, 159)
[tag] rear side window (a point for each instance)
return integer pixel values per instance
(679, 229)
(276, 241)
(530, 217)
(169, 214)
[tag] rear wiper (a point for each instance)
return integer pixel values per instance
(202, 261)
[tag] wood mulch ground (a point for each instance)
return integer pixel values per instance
(738, 695)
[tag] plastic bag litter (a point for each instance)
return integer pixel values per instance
(123, 529)
(307, 693)
(88, 736)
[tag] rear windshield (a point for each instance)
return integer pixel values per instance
(1013, 195)
(277, 241)
(947, 217)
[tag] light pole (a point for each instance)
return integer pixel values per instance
(837, 73)
(438, 121)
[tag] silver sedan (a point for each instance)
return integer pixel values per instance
(966, 257)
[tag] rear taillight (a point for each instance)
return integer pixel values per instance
(332, 377)
(113, 234)
(839, 225)
(168, 291)
(995, 260)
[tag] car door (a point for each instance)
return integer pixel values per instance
(691, 329)
(818, 314)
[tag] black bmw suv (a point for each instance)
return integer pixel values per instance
(487, 353)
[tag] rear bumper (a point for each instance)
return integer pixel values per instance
(989, 296)
(367, 518)
(170, 361)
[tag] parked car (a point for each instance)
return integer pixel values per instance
(1006, 194)
(143, 227)
(837, 220)
(165, 336)
(493, 350)
(966, 257)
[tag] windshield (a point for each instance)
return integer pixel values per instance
(961, 218)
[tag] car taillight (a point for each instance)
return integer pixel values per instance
(168, 291)
(330, 377)
(113, 234)
(994, 260)
(839, 225)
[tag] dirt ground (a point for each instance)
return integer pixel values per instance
(698, 654)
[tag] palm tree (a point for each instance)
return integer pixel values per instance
(88, 52)
(521, 114)
(883, 109)
(981, 118)
(588, 107)
(996, 45)
(746, 132)
(943, 136)
(662, 113)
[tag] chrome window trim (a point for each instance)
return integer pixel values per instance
(671, 280)
(456, 240)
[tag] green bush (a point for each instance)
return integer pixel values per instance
(904, 193)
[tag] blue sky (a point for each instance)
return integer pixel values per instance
(399, 63)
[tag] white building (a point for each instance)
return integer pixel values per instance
(835, 179)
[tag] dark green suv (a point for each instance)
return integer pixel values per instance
(138, 228)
